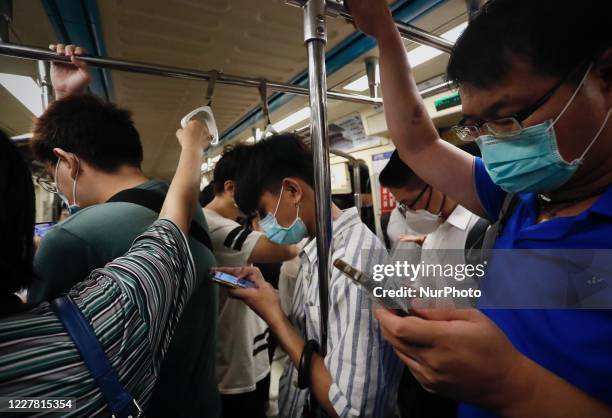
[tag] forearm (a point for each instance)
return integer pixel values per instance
(410, 126)
(538, 392)
(293, 344)
(182, 197)
(266, 251)
(440, 164)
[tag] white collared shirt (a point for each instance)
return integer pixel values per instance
(453, 233)
(364, 369)
(397, 227)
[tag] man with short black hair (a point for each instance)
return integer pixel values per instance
(445, 232)
(437, 219)
(243, 366)
(93, 152)
(359, 375)
(535, 79)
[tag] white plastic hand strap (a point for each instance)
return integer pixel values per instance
(204, 114)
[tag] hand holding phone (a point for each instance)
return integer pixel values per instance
(230, 281)
(368, 284)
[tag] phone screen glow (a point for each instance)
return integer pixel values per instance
(232, 280)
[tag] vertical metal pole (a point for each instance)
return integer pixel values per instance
(46, 93)
(357, 185)
(44, 80)
(315, 37)
(372, 72)
(6, 17)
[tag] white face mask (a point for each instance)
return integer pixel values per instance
(423, 221)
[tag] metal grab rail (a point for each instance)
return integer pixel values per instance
(28, 52)
(315, 39)
(336, 8)
(357, 164)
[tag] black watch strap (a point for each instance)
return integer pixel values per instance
(311, 347)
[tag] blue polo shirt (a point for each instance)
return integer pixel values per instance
(574, 344)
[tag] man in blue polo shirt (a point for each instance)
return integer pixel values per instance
(535, 80)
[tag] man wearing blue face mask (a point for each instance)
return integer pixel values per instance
(359, 375)
(243, 366)
(535, 78)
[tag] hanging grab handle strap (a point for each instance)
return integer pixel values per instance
(263, 94)
(210, 90)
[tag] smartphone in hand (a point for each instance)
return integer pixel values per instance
(367, 283)
(41, 229)
(230, 281)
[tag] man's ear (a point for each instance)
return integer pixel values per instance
(229, 187)
(74, 165)
(603, 68)
(295, 189)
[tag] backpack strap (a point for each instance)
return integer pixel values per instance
(475, 240)
(154, 201)
(497, 228)
(120, 403)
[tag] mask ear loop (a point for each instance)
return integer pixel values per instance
(429, 198)
(442, 205)
(297, 216)
(56, 169)
(601, 128)
(571, 100)
(280, 196)
(421, 193)
(74, 182)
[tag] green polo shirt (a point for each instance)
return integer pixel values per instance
(98, 234)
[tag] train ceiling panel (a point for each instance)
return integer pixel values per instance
(262, 38)
(253, 38)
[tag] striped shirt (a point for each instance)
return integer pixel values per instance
(133, 305)
(364, 369)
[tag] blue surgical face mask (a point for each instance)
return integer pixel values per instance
(530, 160)
(74, 208)
(280, 234)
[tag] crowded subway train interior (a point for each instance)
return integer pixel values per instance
(257, 40)
(300, 208)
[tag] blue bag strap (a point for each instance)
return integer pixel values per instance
(120, 403)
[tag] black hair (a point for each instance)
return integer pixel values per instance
(97, 131)
(555, 36)
(227, 167)
(207, 194)
(397, 174)
(17, 214)
(267, 163)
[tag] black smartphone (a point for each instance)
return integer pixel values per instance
(228, 280)
(368, 284)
